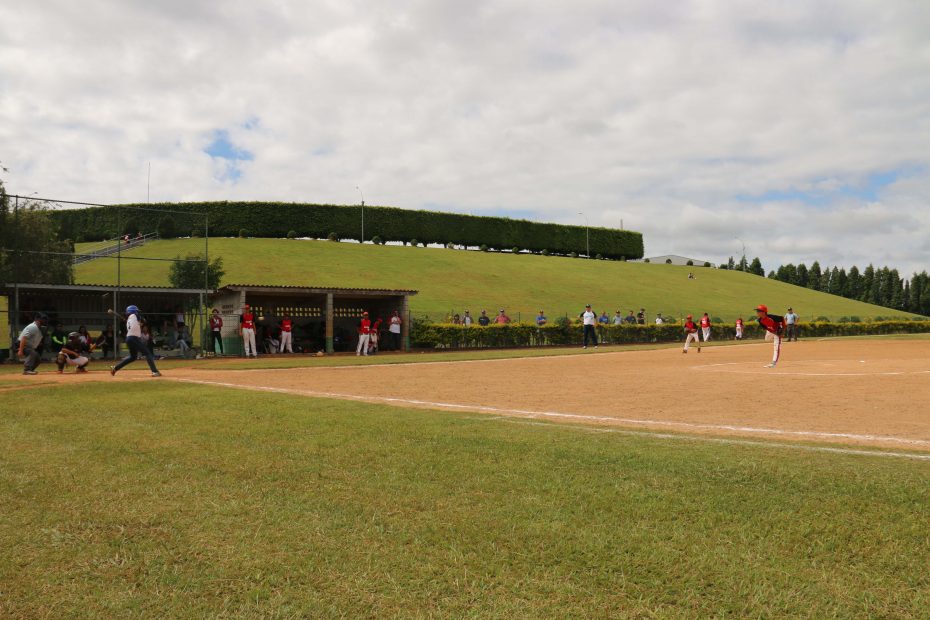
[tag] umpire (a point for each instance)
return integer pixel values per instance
(29, 341)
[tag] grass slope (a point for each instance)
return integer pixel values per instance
(169, 500)
(455, 280)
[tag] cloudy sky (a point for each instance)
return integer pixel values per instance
(801, 129)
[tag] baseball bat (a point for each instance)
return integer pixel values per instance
(116, 314)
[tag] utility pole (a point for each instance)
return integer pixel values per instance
(587, 236)
(362, 240)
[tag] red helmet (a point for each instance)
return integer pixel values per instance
(690, 317)
(762, 308)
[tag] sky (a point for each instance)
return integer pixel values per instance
(798, 129)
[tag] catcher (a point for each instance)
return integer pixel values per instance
(72, 354)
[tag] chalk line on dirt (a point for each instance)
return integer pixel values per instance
(525, 413)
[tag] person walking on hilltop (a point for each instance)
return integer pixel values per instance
(588, 321)
(135, 343)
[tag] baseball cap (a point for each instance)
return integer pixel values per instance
(364, 314)
(587, 305)
(690, 316)
(790, 309)
(762, 308)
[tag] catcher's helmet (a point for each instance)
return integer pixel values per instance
(133, 309)
(74, 335)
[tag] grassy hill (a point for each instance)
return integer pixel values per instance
(453, 280)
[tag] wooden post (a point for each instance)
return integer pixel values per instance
(405, 325)
(329, 323)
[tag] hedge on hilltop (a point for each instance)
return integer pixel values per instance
(276, 220)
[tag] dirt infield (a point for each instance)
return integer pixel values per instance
(850, 392)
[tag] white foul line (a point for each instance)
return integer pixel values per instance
(570, 416)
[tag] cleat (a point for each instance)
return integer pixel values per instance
(30, 372)
(156, 374)
(683, 351)
(772, 365)
(112, 371)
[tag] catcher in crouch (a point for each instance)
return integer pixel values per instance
(71, 354)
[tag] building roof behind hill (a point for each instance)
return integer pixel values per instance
(675, 258)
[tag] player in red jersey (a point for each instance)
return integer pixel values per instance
(692, 334)
(739, 328)
(774, 327)
(286, 327)
(364, 331)
(247, 329)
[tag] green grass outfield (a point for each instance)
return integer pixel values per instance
(457, 280)
(157, 499)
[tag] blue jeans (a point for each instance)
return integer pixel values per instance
(137, 347)
(590, 333)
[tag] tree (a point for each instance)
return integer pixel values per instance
(731, 264)
(30, 250)
(756, 267)
(743, 265)
(813, 277)
(166, 228)
(853, 283)
(801, 275)
(188, 273)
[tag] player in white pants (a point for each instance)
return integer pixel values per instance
(774, 326)
(705, 327)
(364, 332)
(692, 334)
(248, 331)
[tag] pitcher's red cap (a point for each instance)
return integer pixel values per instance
(690, 317)
(762, 308)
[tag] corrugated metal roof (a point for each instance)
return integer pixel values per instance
(104, 287)
(334, 289)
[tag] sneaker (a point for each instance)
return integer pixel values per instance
(683, 351)
(30, 372)
(156, 374)
(772, 365)
(112, 371)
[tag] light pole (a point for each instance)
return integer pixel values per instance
(587, 237)
(743, 257)
(363, 212)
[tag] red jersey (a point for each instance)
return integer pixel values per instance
(248, 320)
(690, 327)
(286, 325)
(773, 323)
(364, 327)
(216, 323)
(705, 321)
(739, 322)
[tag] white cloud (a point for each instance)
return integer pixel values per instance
(668, 115)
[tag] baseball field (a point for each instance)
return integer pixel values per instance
(628, 481)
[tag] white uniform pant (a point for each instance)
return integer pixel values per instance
(776, 339)
(248, 341)
(78, 361)
(706, 331)
(692, 336)
(362, 344)
(739, 333)
(286, 342)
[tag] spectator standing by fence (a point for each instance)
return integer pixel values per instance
(484, 320)
(541, 319)
(618, 318)
(466, 319)
(791, 319)
(216, 331)
(588, 321)
(604, 319)
(630, 318)
(641, 317)
(502, 318)
(394, 329)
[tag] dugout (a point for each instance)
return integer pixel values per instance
(324, 318)
(73, 305)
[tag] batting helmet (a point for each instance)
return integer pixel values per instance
(133, 309)
(74, 335)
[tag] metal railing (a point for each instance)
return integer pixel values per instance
(113, 246)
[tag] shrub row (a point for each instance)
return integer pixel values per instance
(276, 220)
(425, 335)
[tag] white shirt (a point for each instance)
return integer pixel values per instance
(466, 320)
(791, 318)
(133, 326)
(395, 325)
(589, 318)
(618, 319)
(659, 320)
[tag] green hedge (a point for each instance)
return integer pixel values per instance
(425, 335)
(275, 220)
